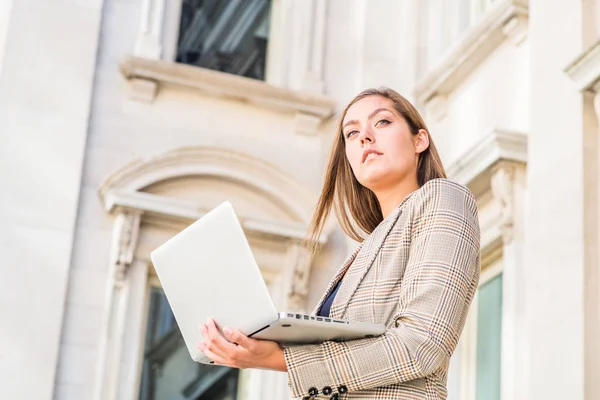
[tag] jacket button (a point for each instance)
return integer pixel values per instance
(342, 389)
(335, 396)
(327, 390)
(313, 391)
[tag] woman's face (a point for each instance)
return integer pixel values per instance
(379, 145)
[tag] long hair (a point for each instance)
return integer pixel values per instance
(356, 207)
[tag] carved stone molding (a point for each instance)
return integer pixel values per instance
(299, 261)
(474, 167)
(221, 85)
(585, 69)
(502, 183)
(126, 231)
(506, 20)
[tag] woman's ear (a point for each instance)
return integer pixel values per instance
(421, 140)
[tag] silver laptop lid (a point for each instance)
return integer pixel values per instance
(208, 270)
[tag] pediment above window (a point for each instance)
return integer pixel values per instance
(183, 184)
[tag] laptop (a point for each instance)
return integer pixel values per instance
(208, 270)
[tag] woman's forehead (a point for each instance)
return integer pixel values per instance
(364, 107)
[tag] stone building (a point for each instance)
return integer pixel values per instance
(122, 121)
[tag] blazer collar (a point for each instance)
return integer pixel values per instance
(356, 267)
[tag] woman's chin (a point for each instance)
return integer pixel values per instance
(375, 180)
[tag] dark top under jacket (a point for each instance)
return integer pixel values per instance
(324, 311)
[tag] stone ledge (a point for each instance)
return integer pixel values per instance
(474, 168)
(506, 19)
(147, 76)
(585, 69)
(179, 211)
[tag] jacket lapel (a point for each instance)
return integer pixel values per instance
(361, 265)
(337, 277)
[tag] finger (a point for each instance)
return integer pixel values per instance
(209, 341)
(221, 345)
(215, 358)
(236, 336)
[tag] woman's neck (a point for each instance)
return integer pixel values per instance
(391, 197)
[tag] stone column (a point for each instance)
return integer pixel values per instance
(508, 188)
(48, 55)
(554, 242)
(125, 235)
(591, 162)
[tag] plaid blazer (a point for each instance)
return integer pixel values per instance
(416, 273)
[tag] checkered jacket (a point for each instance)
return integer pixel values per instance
(416, 273)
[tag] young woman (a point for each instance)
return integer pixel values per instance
(416, 271)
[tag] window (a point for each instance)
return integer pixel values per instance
(476, 364)
(168, 372)
(448, 21)
(229, 36)
(489, 342)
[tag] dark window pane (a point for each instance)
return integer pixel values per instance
(229, 36)
(168, 371)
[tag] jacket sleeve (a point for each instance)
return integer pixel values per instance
(439, 282)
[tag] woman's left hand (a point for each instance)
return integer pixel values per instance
(236, 350)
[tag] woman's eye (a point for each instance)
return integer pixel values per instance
(382, 121)
(350, 134)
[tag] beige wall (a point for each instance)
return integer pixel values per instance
(45, 91)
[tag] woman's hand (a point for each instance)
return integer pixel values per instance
(234, 349)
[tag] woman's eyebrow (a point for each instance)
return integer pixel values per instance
(374, 113)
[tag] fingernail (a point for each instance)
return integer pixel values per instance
(227, 331)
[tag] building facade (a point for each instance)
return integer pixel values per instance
(122, 121)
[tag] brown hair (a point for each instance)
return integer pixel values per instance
(356, 207)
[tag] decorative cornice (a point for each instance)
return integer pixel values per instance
(237, 167)
(177, 210)
(224, 85)
(585, 69)
(475, 167)
(124, 190)
(508, 18)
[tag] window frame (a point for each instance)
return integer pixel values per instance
(153, 283)
(467, 347)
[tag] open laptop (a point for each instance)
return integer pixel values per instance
(208, 270)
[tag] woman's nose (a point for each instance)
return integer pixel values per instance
(366, 135)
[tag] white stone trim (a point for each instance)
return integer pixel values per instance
(222, 85)
(298, 264)
(477, 162)
(296, 45)
(149, 42)
(175, 210)
(503, 182)
(507, 18)
(215, 162)
(585, 69)
(125, 236)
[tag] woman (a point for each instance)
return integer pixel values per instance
(416, 271)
